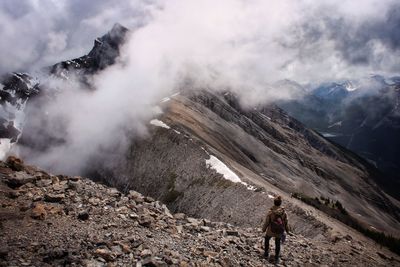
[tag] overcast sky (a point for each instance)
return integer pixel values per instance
(298, 39)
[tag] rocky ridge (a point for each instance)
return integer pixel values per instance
(48, 220)
(265, 148)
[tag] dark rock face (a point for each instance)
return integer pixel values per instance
(129, 229)
(15, 90)
(104, 53)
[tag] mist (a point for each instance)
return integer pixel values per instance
(242, 46)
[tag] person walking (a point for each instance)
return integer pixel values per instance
(275, 225)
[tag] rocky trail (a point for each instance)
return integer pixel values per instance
(48, 220)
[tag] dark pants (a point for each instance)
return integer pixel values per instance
(277, 246)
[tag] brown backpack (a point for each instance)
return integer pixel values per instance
(277, 224)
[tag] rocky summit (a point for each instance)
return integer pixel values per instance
(48, 220)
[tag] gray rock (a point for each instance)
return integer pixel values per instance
(54, 197)
(83, 215)
(146, 220)
(179, 216)
(44, 182)
(105, 254)
(205, 228)
(18, 179)
(146, 253)
(232, 233)
(93, 263)
(133, 215)
(149, 199)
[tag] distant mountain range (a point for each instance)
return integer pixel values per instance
(363, 117)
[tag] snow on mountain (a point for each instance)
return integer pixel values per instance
(159, 123)
(366, 120)
(336, 124)
(220, 167)
(349, 86)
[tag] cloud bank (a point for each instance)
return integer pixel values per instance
(301, 40)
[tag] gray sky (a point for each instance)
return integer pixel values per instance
(300, 38)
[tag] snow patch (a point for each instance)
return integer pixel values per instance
(328, 134)
(205, 150)
(220, 167)
(168, 98)
(250, 187)
(64, 75)
(271, 196)
(350, 86)
(159, 123)
(165, 99)
(5, 146)
(17, 75)
(99, 41)
(265, 116)
(339, 123)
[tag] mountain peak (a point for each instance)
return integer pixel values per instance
(118, 28)
(116, 36)
(103, 54)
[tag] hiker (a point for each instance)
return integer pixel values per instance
(275, 225)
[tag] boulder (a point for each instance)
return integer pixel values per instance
(146, 220)
(179, 216)
(83, 215)
(44, 182)
(18, 179)
(232, 233)
(146, 253)
(149, 199)
(16, 164)
(39, 212)
(211, 254)
(54, 197)
(105, 254)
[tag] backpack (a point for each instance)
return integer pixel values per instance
(277, 226)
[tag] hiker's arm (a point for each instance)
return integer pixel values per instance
(266, 223)
(285, 219)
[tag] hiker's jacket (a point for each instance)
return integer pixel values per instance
(272, 213)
